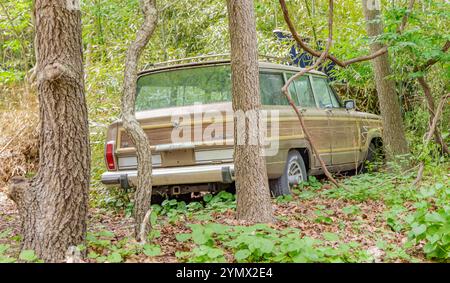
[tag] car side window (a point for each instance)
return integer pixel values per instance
(322, 93)
(270, 88)
(304, 92)
(334, 98)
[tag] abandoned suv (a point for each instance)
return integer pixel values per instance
(195, 97)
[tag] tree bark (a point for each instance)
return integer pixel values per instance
(53, 205)
(433, 127)
(431, 109)
(429, 97)
(253, 196)
(143, 194)
(394, 139)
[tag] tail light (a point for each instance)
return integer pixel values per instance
(109, 156)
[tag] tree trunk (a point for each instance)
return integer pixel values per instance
(53, 205)
(431, 109)
(394, 139)
(253, 196)
(143, 194)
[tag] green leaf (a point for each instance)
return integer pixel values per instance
(214, 253)
(92, 255)
(28, 255)
(114, 257)
(426, 193)
(419, 229)
(330, 236)
(101, 259)
(5, 233)
(242, 254)
(199, 237)
(434, 217)
(203, 217)
(217, 228)
(323, 219)
(429, 248)
(207, 198)
(183, 237)
(5, 259)
(106, 234)
(3, 248)
(152, 250)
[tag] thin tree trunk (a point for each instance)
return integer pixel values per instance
(431, 109)
(433, 127)
(53, 205)
(143, 194)
(253, 196)
(394, 139)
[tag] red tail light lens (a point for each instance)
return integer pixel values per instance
(109, 156)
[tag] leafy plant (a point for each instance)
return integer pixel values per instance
(29, 256)
(432, 225)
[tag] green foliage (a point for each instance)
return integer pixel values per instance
(151, 250)
(29, 256)
(103, 247)
(351, 210)
(260, 243)
(16, 36)
(174, 209)
(431, 222)
(3, 257)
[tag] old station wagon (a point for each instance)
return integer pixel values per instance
(344, 137)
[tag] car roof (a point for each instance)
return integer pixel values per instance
(161, 67)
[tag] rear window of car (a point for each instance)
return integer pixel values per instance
(205, 85)
(183, 87)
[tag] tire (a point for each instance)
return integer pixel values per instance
(295, 166)
(373, 152)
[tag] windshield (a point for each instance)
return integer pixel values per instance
(183, 87)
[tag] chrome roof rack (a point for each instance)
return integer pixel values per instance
(213, 57)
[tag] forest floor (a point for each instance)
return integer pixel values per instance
(364, 221)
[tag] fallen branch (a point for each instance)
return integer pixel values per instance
(285, 91)
(430, 135)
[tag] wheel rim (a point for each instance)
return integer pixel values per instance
(295, 174)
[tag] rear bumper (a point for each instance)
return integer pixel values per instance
(219, 173)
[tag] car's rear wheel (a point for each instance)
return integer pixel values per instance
(294, 172)
(374, 157)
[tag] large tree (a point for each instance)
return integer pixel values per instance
(253, 196)
(53, 205)
(394, 138)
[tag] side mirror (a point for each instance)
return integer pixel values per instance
(350, 104)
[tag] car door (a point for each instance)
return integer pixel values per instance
(316, 118)
(343, 127)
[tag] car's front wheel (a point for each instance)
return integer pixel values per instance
(374, 157)
(294, 172)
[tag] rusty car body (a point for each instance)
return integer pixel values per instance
(343, 135)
